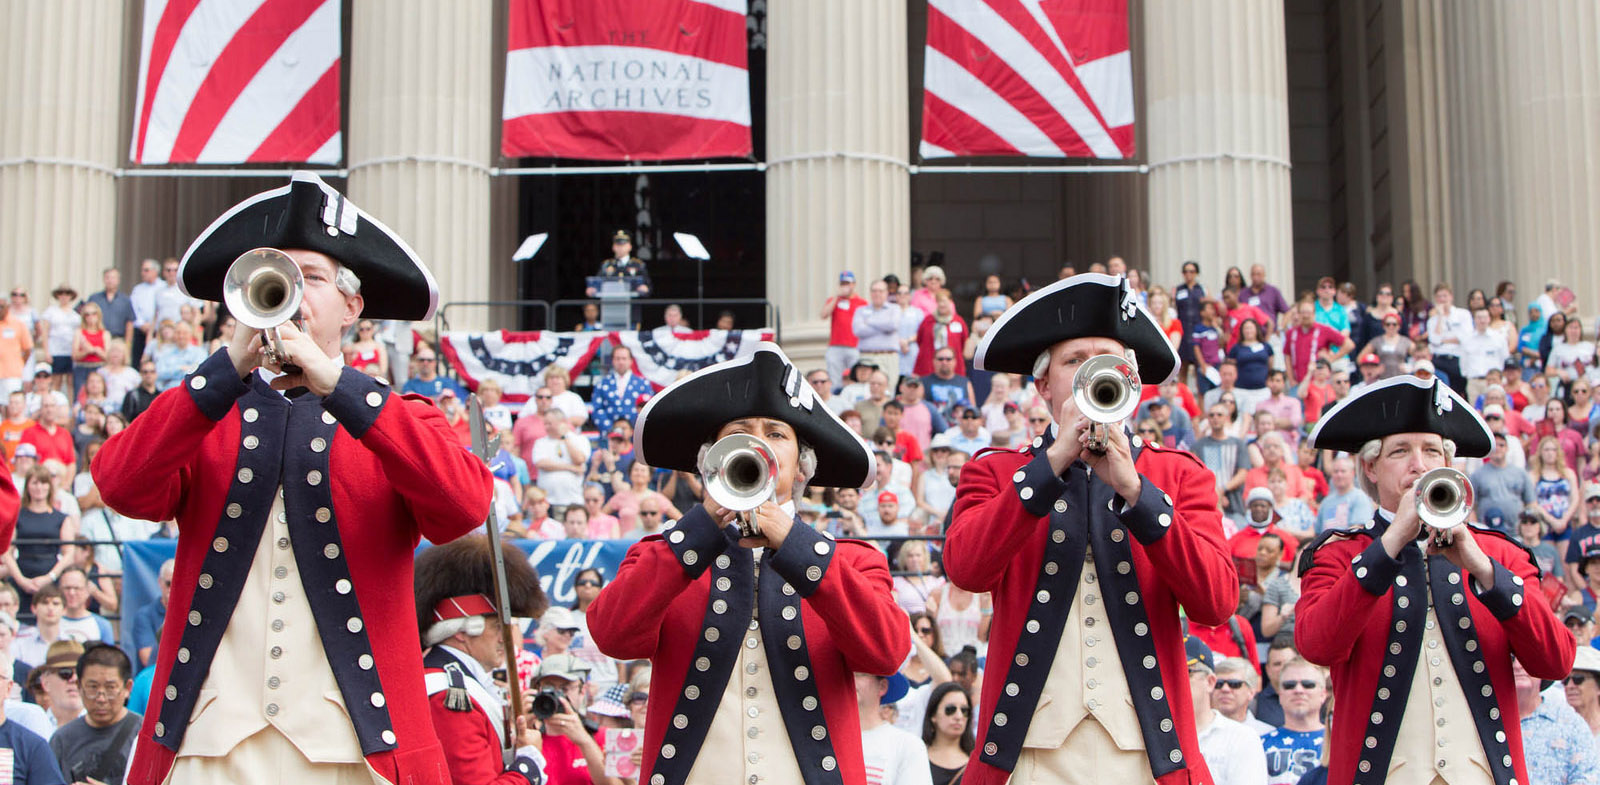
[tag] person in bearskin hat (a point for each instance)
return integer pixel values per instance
(287, 654)
(1420, 624)
(462, 645)
(754, 640)
(1089, 556)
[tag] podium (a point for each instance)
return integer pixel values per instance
(615, 295)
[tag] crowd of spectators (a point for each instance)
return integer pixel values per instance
(1259, 368)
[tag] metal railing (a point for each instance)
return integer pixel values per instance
(548, 309)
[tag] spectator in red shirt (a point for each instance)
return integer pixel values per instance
(1263, 520)
(1237, 313)
(840, 310)
(1317, 391)
(1308, 340)
(944, 327)
(906, 447)
(50, 435)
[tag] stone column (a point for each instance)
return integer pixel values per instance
(61, 88)
(421, 109)
(1216, 135)
(838, 190)
(1553, 101)
(1480, 119)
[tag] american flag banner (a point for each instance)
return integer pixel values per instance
(662, 356)
(517, 360)
(236, 81)
(1045, 78)
(627, 80)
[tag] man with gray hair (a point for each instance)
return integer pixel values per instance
(1345, 505)
(1419, 622)
(1237, 684)
(1232, 750)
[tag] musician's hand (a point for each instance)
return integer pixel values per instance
(318, 372)
(566, 722)
(244, 349)
(1460, 546)
(720, 515)
(1406, 525)
(1115, 465)
(774, 525)
(528, 736)
(1068, 446)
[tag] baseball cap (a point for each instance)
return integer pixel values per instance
(1258, 494)
(1588, 658)
(1199, 653)
(25, 450)
(888, 496)
(1422, 365)
(619, 429)
(899, 685)
(1494, 410)
(1588, 556)
(1591, 490)
(847, 277)
(562, 666)
(1581, 614)
(560, 618)
(42, 369)
(447, 393)
(1370, 358)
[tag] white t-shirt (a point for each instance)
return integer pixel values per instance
(563, 488)
(1566, 357)
(1233, 752)
(894, 757)
(64, 325)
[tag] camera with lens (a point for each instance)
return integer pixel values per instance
(546, 703)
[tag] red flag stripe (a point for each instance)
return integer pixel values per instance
(312, 122)
(961, 46)
(1025, 23)
(617, 135)
(694, 29)
(958, 132)
(254, 43)
(173, 18)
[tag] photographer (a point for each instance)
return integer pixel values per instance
(572, 755)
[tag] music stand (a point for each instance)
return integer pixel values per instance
(614, 295)
(696, 250)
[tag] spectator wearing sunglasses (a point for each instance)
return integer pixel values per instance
(1296, 748)
(1583, 687)
(1558, 743)
(58, 682)
(1235, 691)
(947, 731)
(969, 435)
(95, 747)
(31, 760)
(1233, 751)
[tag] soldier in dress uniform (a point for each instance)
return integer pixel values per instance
(1420, 636)
(623, 264)
(288, 653)
(1088, 556)
(463, 644)
(754, 641)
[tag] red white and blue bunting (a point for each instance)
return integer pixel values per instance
(518, 360)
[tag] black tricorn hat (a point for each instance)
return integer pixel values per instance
(461, 568)
(1403, 404)
(309, 214)
(678, 420)
(1090, 305)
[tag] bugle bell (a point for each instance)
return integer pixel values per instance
(1106, 390)
(740, 473)
(263, 289)
(1444, 498)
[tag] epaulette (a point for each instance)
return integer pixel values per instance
(1303, 560)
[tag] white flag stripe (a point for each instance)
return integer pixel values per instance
(970, 95)
(277, 88)
(208, 31)
(983, 23)
(1036, 10)
(1109, 82)
(329, 152)
(731, 6)
(153, 11)
(621, 78)
(930, 150)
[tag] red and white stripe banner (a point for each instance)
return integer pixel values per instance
(627, 80)
(663, 357)
(235, 81)
(517, 360)
(1028, 77)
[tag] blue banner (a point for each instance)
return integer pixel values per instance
(558, 562)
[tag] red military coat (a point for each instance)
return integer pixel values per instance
(10, 505)
(825, 610)
(1362, 613)
(365, 473)
(1020, 531)
(473, 733)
